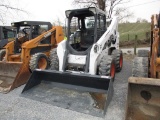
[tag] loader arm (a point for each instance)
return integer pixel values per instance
(103, 43)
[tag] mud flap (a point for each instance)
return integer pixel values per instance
(12, 75)
(96, 85)
(143, 100)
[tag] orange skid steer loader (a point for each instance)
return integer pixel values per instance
(29, 51)
(143, 101)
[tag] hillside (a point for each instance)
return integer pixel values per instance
(129, 30)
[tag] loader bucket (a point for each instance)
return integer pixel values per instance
(96, 85)
(12, 75)
(143, 101)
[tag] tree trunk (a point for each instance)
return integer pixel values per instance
(101, 4)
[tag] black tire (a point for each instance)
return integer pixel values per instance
(2, 54)
(118, 58)
(38, 61)
(54, 60)
(107, 66)
(140, 67)
(143, 53)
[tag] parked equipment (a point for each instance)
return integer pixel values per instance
(143, 102)
(88, 59)
(29, 51)
(7, 34)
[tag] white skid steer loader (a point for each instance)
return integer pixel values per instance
(88, 59)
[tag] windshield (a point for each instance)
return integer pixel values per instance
(81, 31)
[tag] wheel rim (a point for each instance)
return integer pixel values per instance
(42, 63)
(112, 70)
(121, 61)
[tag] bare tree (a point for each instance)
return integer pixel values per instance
(57, 22)
(138, 20)
(88, 3)
(123, 13)
(105, 5)
(141, 20)
(8, 10)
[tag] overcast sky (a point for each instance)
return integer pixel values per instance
(50, 10)
(144, 8)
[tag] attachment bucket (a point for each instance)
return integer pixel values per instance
(12, 75)
(143, 100)
(96, 85)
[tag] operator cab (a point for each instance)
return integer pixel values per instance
(85, 27)
(28, 30)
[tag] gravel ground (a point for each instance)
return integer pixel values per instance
(15, 106)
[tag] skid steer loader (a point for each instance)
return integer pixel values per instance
(88, 59)
(30, 50)
(143, 101)
(7, 34)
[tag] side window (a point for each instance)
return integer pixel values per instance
(101, 22)
(80, 24)
(3, 36)
(35, 30)
(73, 25)
(39, 29)
(42, 29)
(100, 26)
(89, 22)
(11, 34)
